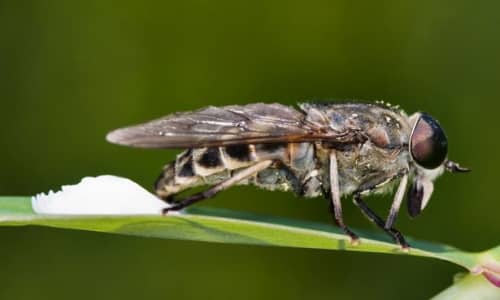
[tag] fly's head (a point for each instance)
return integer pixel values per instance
(428, 148)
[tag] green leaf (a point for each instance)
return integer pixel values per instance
(223, 226)
(468, 287)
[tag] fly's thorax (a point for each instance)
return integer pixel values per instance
(385, 126)
(379, 148)
(366, 165)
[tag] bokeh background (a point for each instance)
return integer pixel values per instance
(70, 71)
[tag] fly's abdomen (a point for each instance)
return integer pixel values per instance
(211, 165)
(200, 166)
(177, 176)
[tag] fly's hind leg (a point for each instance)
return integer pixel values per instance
(239, 176)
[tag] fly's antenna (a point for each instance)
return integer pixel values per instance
(454, 167)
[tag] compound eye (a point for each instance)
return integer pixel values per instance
(428, 143)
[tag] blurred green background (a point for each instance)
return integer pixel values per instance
(70, 71)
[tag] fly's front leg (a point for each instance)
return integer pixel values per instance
(372, 216)
(396, 203)
(387, 226)
(241, 175)
(336, 206)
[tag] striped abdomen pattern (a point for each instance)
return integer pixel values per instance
(200, 166)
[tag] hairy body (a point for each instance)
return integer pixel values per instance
(378, 153)
(319, 149)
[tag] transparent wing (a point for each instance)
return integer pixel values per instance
(218, 126)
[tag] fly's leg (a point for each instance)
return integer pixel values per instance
(372, 216)
(243, 174)
(336, 207)
(396, 203)
(387, 226)
(170, 199)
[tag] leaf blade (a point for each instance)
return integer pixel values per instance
(223, 226)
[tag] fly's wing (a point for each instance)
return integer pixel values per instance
(220, 126)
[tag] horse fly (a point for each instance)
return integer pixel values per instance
(319, 149)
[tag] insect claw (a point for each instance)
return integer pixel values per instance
(165, 211)
(170, 210)
(355, 241)
(405, 248)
